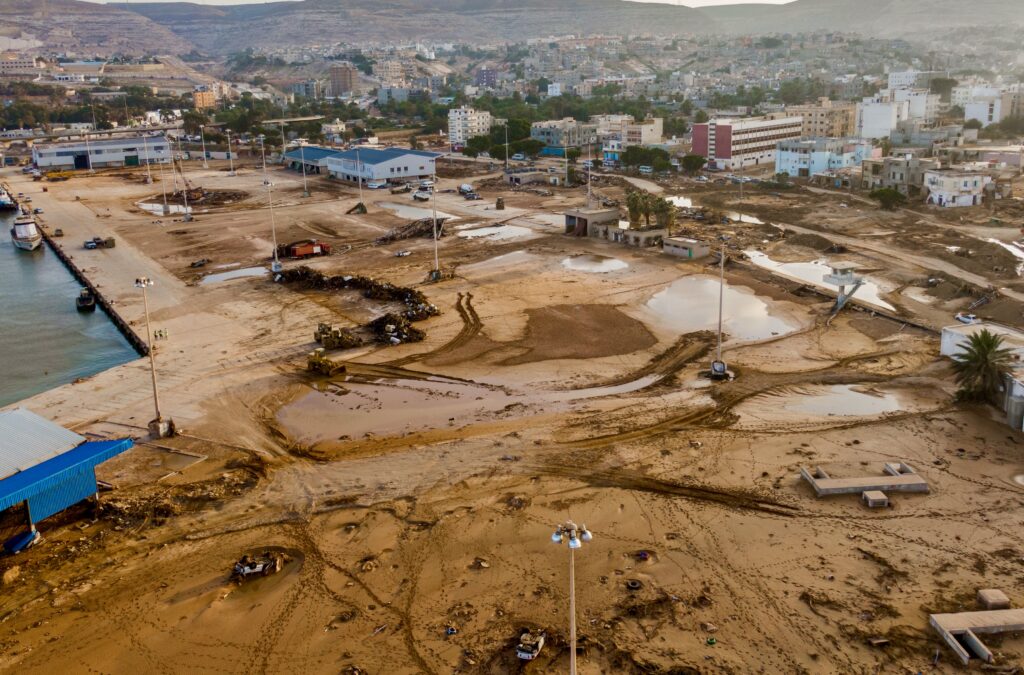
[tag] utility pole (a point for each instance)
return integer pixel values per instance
(302, 156)
(202, 136)
(163, 183)
(184, 184)
(158, 427)
(506, 146)
(359, 177)
(231, 156)
(433, 203)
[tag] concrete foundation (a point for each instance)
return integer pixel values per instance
(899, 477)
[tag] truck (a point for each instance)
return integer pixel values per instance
(306, 248)
(465, 189)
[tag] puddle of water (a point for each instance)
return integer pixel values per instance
(595, 392)
(234, 274)
(691, 303)
(387, 407)
(681, 201)
(513, 258)
(1018, 253)
(598, 264)
(736, 216)
(158, 209)
(414, 212)
(813, 404)
(813, 273)
(497, 232)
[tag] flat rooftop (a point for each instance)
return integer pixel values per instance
(1012, 338)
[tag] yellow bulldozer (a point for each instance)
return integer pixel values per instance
(319, 363)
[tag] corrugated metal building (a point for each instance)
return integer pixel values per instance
(313, 156)
(47, 466)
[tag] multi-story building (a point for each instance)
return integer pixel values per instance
(16, 63)
(564, 133)
(826, 119)
(878, 116)
(465, 123)
(955, 187)
(102, 152)
(626, 129)
(904, 173)
(741, 143)
(204, 98)
(921, 103)
(486, 77)
(805, 157)
(343, 79)
(308, 89)
(389, 70)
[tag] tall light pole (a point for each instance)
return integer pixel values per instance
(231, 157)
(576, 536)
(158, 427)
(506, 146)
(719, 371)
(433, 204)
(184, 184)
(145, 148)
(302, 157)
(275, 266)
(202, 137)
(163, 183)
(359, 177)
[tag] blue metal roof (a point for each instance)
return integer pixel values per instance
(311, 153)
(53, 472)
(373, 156)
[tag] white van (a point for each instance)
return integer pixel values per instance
(376, 184)
(646, 170)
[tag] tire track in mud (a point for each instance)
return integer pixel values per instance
(685, 350)
(471, 326)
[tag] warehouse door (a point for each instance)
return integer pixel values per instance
(81, 161)
(131, 160)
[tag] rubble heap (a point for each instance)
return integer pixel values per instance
(394, 329)
(424, 227)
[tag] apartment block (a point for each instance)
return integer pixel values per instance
(741, 143)
(826, 118)
(465, 123)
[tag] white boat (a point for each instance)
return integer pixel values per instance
(7, 203)
(25, 234)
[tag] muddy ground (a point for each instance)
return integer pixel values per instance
(417, 491)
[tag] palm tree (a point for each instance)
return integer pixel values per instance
(664, 212)
(982, 366)
(634, 205)
(647, 207)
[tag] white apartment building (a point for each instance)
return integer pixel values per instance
(987, 110)
(626, 129)
(464, 123)
(921, 103)
(963, 94)
(102, 152)
(740, 143)
(955, 187)
(877, 117)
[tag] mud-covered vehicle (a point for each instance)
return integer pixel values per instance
(530, 645)
(257, 565)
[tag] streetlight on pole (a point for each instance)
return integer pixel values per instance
(231, 156)
(202, 136)
(433, 203)
(275, 266)
(576, 535)
(359, 177)
(158, 427)
(719, 371)
(184, 184)
(302, 157)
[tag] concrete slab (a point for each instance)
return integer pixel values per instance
(899, 477)
(874, 499)
(991, 598)
(963, 628)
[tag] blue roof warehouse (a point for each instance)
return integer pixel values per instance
(47, 467)
(382, 164)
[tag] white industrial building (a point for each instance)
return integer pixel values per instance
(465, 123)
(381, 164)
(102, 152)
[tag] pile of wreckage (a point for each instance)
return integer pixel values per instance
(424, 227)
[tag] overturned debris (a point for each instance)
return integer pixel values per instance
(335, 337)
(394, 329)
(424, 227)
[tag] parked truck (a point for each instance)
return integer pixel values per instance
(307, 248)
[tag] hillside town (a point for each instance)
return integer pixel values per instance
(737, 318)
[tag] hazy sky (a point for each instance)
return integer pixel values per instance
(689, 3)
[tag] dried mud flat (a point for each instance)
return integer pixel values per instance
(417, 491)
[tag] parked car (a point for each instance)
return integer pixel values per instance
(421, 196)
(465, 189)
(646, 170)
(519, 156)
(963, 317)
(426, 184)
(471, 196)
(376, 185)
(37, 210)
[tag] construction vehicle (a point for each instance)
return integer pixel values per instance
(306, 248)
(319, 363)
(333, 337)
(58, 175)
(257, 565)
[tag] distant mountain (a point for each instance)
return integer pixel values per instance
(887, 17)
(178, 27)
(86, 27)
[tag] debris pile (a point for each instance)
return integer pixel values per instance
(417, 307)
(394, 329)
(424, 227)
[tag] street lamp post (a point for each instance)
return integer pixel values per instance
(187, 216)
(719, 371)
(433, 204)
(202, 137)
(231, 157)
(302, 158)
(576, 536)
(275, 266)
(359, 177)
(158, 427)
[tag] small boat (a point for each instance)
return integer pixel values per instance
(86, 301)
(25, 234)
(7, 203)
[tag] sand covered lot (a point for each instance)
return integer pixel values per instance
(417, 491)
